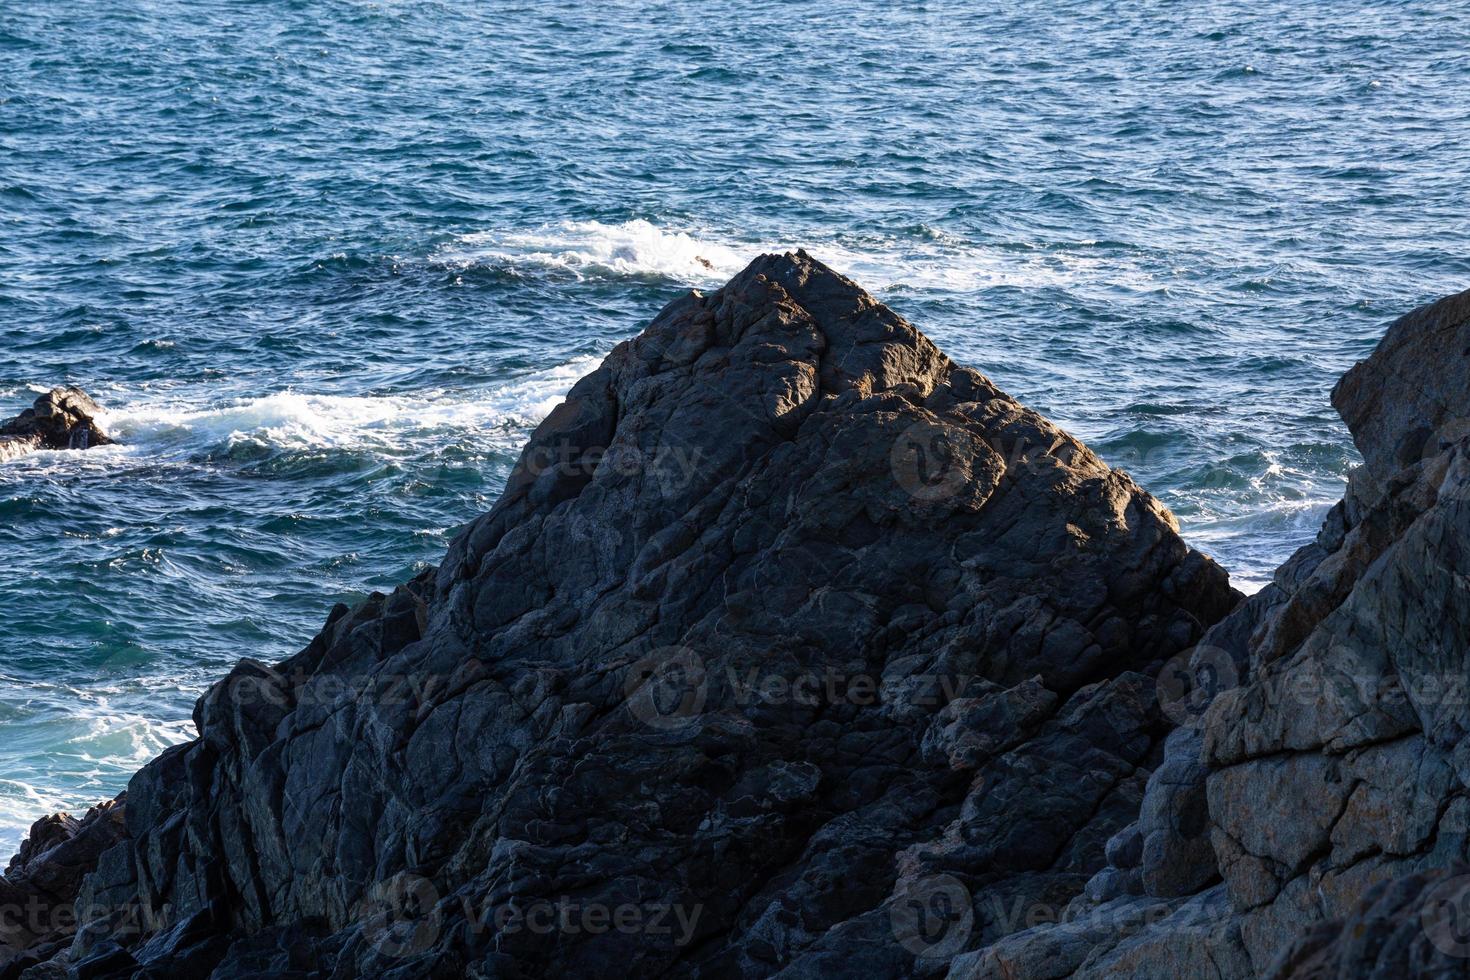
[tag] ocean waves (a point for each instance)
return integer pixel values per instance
(327, 267)
(68, 747)
(216, 528)
(915, 258)
(592, 249)
(180, 423)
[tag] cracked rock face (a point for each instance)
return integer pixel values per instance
(1354, 715)
(791, 647)
(1327, 774)
(63, 418)
(1403, 927)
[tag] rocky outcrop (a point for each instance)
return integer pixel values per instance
(39, 890)
(1321, 772)
(791, 647)
(63, 418)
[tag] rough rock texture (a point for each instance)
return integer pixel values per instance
(1324, 758)
(1409, 399)
(39, 890)
(1405, 927)
(791, 647)
(63, 418)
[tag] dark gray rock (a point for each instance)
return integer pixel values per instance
(1336, 765)
(63, 418)
(1176, 858)
(1407, 401)
(791, 647)
(40, 888)
(1413, 926)
(1322, 768)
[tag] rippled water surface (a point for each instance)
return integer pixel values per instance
(328, 262)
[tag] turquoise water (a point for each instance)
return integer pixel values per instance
(328, 262)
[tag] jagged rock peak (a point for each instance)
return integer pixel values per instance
(785, 629)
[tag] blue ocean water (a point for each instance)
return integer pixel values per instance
(328, 262)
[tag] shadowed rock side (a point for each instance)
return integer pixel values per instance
(39, 889)
(63, 418)
(1327, 775)
(791, 647)
(1403, 927)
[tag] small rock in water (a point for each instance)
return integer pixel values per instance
(63, 418)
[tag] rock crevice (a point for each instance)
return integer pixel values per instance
(1325, 757)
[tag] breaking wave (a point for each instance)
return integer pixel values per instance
(302, 420)
(927, 259)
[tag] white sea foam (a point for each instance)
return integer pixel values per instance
(22, 804)
(592, 249)
(92, 746)
(1253, 536)
(633, 248)
(121, 739)
(302, 420)
(971, 268)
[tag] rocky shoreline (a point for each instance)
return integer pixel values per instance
(794, 648)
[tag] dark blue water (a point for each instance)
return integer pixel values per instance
(328, 262)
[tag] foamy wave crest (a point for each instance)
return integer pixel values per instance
(22, 804)
(91, 748)
(298, 420)
(928, 259)
(1253, 534)
(591, 248)
(123, 741)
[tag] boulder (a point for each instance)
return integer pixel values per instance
(63, 418)
(791, 647)
(1350, 724)
(1407, 401)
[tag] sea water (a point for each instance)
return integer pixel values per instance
(328, 262)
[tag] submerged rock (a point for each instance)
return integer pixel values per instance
(63, 418)
(791, 647)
